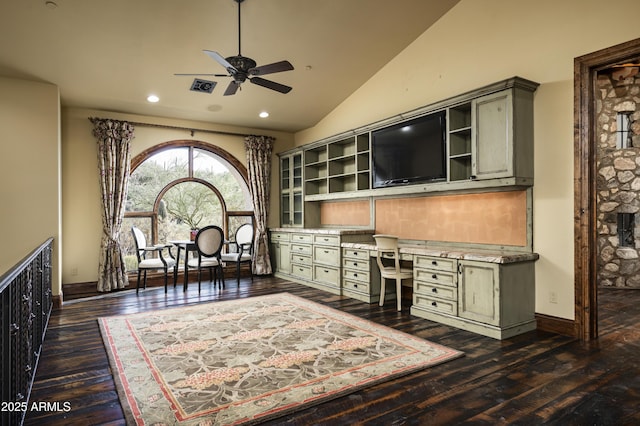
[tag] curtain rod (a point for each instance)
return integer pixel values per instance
(192, 130)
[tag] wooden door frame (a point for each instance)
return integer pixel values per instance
(585, 221)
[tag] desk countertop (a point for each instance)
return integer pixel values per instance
(334, 231)
(480, 255)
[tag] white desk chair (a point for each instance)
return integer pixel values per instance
(387, 248)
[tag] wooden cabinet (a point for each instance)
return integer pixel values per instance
(491, 136)
(492, 299)
(501, 295)
(435, 284)
(291, 195)
(361, 277)
(338, 166)
(315, 255)
(280, 252)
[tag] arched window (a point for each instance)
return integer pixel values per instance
(178, 186)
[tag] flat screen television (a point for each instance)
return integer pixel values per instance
(413, 151)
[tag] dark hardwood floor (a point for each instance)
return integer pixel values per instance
(535, 378)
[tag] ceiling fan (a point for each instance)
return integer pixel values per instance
(242, 68)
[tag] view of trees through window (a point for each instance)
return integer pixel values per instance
(178, 189)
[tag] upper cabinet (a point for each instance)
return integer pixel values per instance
(291, 195)
(482, 139)
(338, 166)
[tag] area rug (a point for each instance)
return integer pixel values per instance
(249, 360)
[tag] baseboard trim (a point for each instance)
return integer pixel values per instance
(556, 325)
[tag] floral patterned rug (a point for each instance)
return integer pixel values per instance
(249, 360)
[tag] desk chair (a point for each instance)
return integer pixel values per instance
(387, 247)
(244, 243)
(153, 263)
(209, 241)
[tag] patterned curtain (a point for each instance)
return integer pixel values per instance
(114, 163)
(259, 149)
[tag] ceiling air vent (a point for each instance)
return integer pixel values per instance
(204, 86)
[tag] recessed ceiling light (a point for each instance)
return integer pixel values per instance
(51, 4)
(264, 114)
(152, 98)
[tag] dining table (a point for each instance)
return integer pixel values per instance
(186, 246)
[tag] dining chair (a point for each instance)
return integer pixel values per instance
(152, 263)
(209, 241)
(244, 246)
(387, 248)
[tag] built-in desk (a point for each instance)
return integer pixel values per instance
(487, 292)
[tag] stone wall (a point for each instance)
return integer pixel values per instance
(618, 177)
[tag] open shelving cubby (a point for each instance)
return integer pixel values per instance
(459, 138)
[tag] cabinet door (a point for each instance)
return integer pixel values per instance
(291, 195)
(492, 150)
(479, 291)
(281, 257)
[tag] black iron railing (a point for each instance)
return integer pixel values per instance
(26, 302)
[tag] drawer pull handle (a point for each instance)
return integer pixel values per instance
(434, 304)
(355, 286)
(434, 262)
(434, 290)
(355, 253)
(355, 264)
(326, 239)
(355, 275)
(434, 276)
(326, 252)
(326, 271)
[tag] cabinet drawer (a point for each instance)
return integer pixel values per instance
(434, 304)
(327, 275)
(301, 238)
(434, 276)
(300, 259)
(438, 263)
(359, 286)
(355, 253)
(330, 240)
(301, 271)
(301, 249)
(435, 290)
(326, 255)
(360, 265)
(279, 236)
(356, 275)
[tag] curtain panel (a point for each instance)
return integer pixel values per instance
(259, 150)
(114, 164)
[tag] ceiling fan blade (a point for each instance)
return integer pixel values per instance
(271, 85)
(222, 61)
(232, 88)
(271, 68)
(201, 75)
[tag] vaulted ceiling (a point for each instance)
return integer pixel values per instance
(111, 54)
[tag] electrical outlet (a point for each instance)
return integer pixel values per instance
(553, 297)
(74, 272)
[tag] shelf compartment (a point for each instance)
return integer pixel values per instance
(342, 183)
(342, 166)
(460, 116)
(362, 143)
(460, 143)
(460, 167)
(315, 155)
(316, 186)
(342, 148)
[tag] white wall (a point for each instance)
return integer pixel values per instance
(29, 171)
(483, 41)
